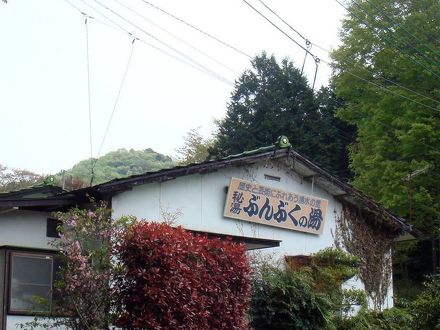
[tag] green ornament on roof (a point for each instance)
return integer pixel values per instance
(50, 181)
(283, 142)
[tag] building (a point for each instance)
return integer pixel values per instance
(271, 198)
(27, 261)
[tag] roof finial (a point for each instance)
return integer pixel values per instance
(282, 142)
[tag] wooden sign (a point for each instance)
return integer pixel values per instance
(250, 201)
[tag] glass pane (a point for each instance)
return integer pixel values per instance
(31, 283)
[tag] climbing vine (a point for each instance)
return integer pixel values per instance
(359, 235)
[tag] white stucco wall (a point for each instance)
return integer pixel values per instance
(201, 200)
(24, 229)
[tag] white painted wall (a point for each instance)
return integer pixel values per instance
(25, 229)
(201, 200)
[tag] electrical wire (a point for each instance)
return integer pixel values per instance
(363, 79)
(427, 58)
(125, 31)
(342, 133)
(177, 38)
(293, 29)
(114, 25)
(77, 8)
(202, 67)
(412, 58)
(114, 106)
(89, 94)
(397, 25)
(315, 58)
(353, 63)
(197, 29)
(388, 90)
(279, 29)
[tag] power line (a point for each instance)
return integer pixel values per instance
(112, 21)
(388, 90)
(412, 58)
(114, 106)
(178, 38)
(315, 58)
(368, 13)
(88, 95)
(307, 41)
(293, 29)
(378, 85)
(353, 63)
(341, 133)
(123, 30)
(77, 8)
(204, 68)
(279, 29)
(397, 25)
(198, 29)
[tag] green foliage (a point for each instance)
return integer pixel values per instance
(420, 314)
(330, 268)
(83, 295)
(286, 299)
(195, 148)
(395, 136)
(119, 163)
(273, 99)
(426, 307)
(389, 319)
(308, 297)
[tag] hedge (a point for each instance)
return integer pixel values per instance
(174, 279)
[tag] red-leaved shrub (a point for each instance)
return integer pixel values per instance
(174, 279)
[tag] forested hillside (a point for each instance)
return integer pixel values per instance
(115, 164)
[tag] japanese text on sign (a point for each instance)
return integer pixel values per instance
(270, 206)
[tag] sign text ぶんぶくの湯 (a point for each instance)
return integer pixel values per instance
(250, 201)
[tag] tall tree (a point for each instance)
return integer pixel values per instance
(273, 99)
(387, 44)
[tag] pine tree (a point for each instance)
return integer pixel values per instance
(274, 99)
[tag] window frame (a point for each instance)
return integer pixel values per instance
(33, 253)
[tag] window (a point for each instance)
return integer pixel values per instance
(30, 282)
(272, 178)
(52, 228)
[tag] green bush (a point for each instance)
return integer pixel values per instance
(420, 314)
(310, 296)
(305, 296)
(286, 299)
(389, 319)
(426, 307)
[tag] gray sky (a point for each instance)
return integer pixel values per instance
(43, 76)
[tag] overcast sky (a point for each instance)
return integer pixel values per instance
(43, 71)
